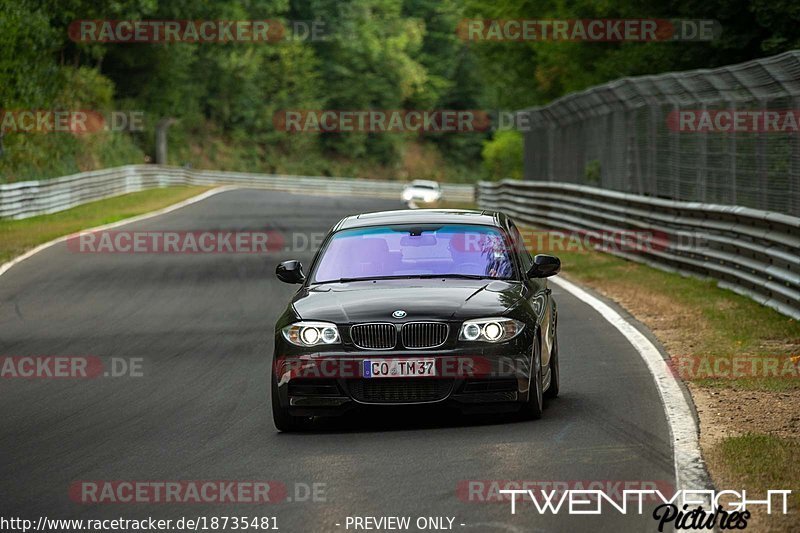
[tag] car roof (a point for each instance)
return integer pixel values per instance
(425, 182)
(422, 216)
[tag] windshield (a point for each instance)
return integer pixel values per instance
(415, 251)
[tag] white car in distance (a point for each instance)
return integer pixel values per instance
(424, 191)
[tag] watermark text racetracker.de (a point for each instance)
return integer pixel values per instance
(398, 120)
(589, 30)
(197, 31)
(195, 491)
(36, 367)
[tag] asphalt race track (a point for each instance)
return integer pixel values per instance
(202, 326)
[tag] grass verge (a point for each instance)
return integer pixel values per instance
(765, 461)
(760, 463)
(19, 236)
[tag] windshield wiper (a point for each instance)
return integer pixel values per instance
(348, 280)
(457, 276)
(406, 276)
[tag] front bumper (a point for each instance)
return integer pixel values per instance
(331, 383)
(422, 199)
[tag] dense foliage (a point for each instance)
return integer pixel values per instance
(377, 54)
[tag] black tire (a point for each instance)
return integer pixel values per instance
(280, 415)
(555, 371)
(535, 405)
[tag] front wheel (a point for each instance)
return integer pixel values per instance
(555, 372)
(535, 404)
(280, 415)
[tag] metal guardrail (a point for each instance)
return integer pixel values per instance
(31, 198)
(751, 252)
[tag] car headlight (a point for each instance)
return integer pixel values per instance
(490, 329)
(311, 333)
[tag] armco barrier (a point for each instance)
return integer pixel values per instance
(754, 253)
(31, 198)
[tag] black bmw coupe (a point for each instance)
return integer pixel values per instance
(417, 307)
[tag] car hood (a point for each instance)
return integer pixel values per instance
(367, 301)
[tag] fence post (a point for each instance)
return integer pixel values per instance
(161, 140)
(702, 168)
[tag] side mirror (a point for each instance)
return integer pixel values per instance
(544, 266)
(290, 272)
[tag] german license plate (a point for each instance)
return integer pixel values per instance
(399, 368)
